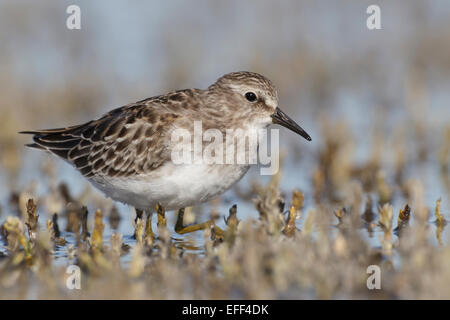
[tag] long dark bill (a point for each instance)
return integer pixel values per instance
(281, 118)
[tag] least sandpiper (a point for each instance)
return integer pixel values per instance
(127, 152)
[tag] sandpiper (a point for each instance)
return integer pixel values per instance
(127, 152)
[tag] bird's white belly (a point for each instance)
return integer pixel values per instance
(174, 186)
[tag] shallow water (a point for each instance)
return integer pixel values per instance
(194, 242)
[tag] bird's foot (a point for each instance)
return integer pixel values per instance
(180, 228)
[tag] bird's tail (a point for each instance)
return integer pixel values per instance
(58, 141)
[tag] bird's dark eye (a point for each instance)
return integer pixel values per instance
(250, 96)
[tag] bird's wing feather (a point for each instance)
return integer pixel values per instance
(124, 142)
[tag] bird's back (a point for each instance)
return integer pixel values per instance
(126, 141)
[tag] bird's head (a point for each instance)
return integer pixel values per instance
(256, 95)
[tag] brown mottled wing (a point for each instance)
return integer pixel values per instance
(124, 142)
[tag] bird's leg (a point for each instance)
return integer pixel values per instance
(180, 228)
(161, 215)
(139, 215)
(148, 226)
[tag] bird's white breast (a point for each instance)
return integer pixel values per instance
(174, 186)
